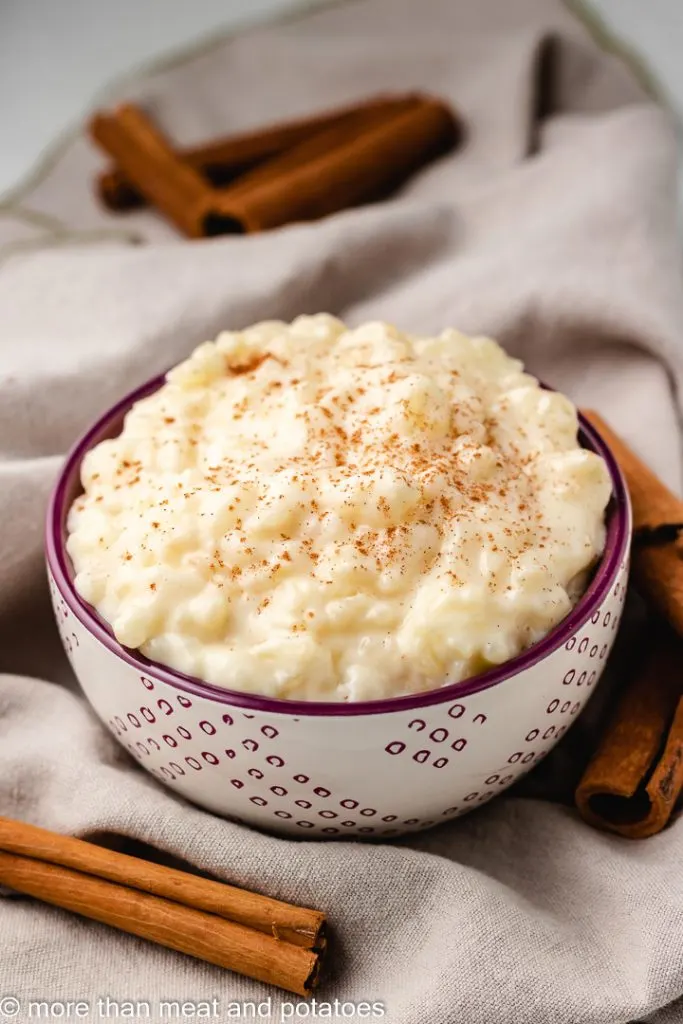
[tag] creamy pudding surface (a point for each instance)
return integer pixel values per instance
(312, 512)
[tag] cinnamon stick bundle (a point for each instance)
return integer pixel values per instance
(261, 938)
(349, 162)
(635, 777)
(223, 160)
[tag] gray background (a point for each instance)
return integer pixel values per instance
(56, 55)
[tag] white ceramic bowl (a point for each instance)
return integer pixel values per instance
(379, 768)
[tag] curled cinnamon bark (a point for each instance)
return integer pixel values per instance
(332, 172)
(166, 923)
(657, 556)
(635, 777)
(146, 157)
(222, 160)
(262, 938)
(632, 783)
(338, 167)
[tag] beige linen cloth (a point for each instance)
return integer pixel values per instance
(552, 229)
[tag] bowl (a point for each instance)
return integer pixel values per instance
(331, 770)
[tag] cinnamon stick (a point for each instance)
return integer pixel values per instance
(657, 554)
(635, 777)
(326, 174)
(168, 924)
(146, 157)
(299, 926)
(224, 159)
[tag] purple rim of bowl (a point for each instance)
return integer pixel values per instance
(68, 484)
